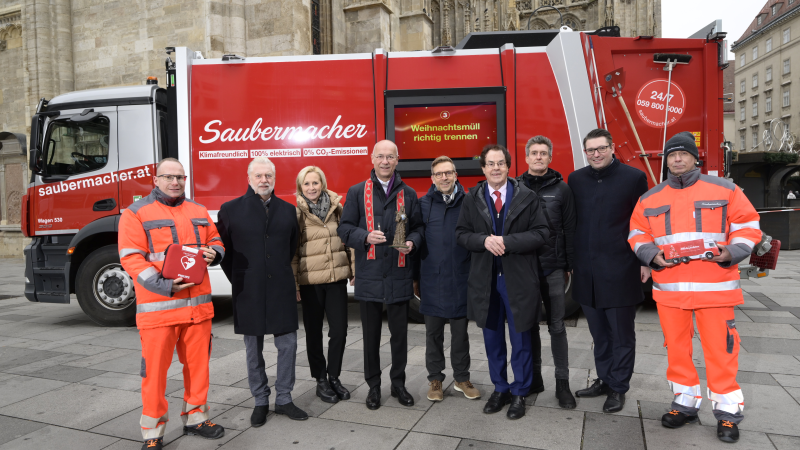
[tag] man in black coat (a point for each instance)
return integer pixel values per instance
(259, 231)
(502, 224)
(555, 262)
(384, 274)
(443, 281)
(607, 275)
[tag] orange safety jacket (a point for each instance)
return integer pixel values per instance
(146, 229)
(695, 206)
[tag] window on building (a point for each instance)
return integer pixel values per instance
(741, 61)
(787, 66)
(768, 104)
(768, 76)
(755, 53)
(741, 140)
(787, 35)
(755, 107)
(755, 81)
(742, 87)
(755, 137)
(786, 95)
(775, 8)
(760, 18)
(768, 46)
(791, 1)
(741, 113)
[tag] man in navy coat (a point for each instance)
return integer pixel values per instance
(607, 275)
(443, 281)
(384, 275)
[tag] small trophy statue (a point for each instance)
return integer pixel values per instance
(400, 230)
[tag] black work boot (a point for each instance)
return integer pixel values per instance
(206, 430)
(340, 390)
(677, 419)
(325, 392)
(153, 444)
(537, 385)
(598, 388)
(564, 395)
(727, 431)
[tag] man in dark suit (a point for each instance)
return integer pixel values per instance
(384, 275)
(607, 275)
(502, 224)
(259, 230)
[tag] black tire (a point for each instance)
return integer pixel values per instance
(100, 261)
(709, 256)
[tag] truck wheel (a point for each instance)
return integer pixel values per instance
(709, 255)
(685, 259)
(105, 290)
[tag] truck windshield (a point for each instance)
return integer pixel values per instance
(74, 148)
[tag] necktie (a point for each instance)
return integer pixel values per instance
(498, 203)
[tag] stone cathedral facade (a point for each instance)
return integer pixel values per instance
(49, 47)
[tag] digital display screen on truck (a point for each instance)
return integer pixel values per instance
(458, 130)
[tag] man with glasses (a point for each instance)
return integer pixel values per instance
(607, 277)
(502, 225)
(259, 230)
(171, 314)
(384, 273)
(555, 262)
(444, 267)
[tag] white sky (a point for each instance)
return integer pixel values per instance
(682, 18)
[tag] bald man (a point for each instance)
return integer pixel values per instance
(384, 274)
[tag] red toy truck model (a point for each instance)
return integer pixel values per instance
(685, 251)
(93, 152)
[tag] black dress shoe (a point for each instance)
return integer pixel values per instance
(403, 396)
(614, 402)
(374, 398)
(325, 392)
(206, 430)
(564, 395)
(517, 408)
(676, 419)
(537, 385)
(496, 402)
(259, 416)
(727, 431)
(598, 388)
(291, 411)
(341, 392)
(153, 444)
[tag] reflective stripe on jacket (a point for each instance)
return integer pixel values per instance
(146, 229)
(688, 207)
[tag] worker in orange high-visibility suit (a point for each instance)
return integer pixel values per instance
(689, 206)
(170, 313)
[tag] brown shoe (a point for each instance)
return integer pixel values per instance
(468, 389)
(435, 393)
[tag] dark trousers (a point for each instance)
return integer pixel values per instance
(434, 348)
(614, 338)
(494, 337)
(552, 289)
(371, 324)
(320, 300)
(256, 373)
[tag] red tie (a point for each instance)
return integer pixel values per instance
(498, 203)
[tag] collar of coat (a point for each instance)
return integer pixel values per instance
(605, 171)
(685, 180)
(549, 178)
(165, 199)
(303, 206)
(522, 196)
(436, 194)
(398, 184)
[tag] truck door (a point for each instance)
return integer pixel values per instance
(77, 177)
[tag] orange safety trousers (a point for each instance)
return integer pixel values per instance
(720, 342)
(193, 342)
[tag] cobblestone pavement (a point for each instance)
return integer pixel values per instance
(66, 383)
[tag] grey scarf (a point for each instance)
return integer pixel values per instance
(320, 209)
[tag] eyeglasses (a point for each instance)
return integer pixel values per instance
(388, 158)
(603, 149)
(493, 164)
(448, 174)
(171, 178)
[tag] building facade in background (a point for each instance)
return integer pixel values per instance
(50, 47)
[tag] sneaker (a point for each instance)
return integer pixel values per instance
(206, 429)
(435, 393)
(470, 391)
(153, 444)
(676, 419)
(727, 431)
